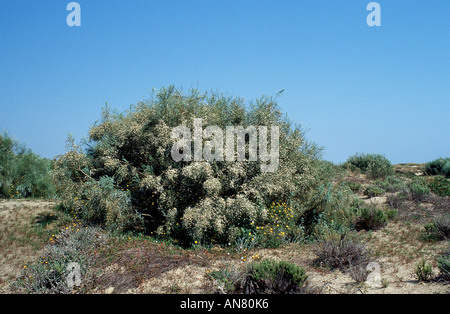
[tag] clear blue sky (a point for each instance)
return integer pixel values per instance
(358, 89)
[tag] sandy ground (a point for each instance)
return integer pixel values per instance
(396, 248)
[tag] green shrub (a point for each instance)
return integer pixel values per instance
(418, 190)
(374, 165)
(392, 184)
(443, 263)
(437, 230)
(423, 271)
(371, 218)
(23, 173)
(440, 185)
(439, 166)
(127, 178)
(354, 186)
(373, 191)
(330, 207)
(397, 201)
(273, 277)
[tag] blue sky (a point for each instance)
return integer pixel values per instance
(358, 89)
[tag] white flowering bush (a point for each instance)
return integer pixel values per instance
(126, 177)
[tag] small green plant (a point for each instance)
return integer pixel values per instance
(373, 191)
(397, 201)
(423, 271)
(354, 186)
(274, 277)
(443, 263)
(437, 230)
(418, 190)
(371, 218)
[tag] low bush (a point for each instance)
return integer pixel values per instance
(373, 191)
(374, 165)
(341, 252)
(392, 184)
(439, 166)
(397, 201)
(49, 274)
(273, 277)
(437, 230)
(440, 185)
(371, 218)
(418, 190)
(443, 263)
(354, 186)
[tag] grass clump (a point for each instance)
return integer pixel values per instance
(423, 271)
(341, 252)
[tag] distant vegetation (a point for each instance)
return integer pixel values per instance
(22, 172)
(374, 165)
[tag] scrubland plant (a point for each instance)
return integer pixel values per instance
(374, 165)
(423, 270)
(127, 179)
(371, 218)
(22, 172)
(443, 263)
(439, 166)
(418, 190)
(341, 251)
(272, 277)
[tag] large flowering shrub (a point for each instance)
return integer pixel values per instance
(126, 177)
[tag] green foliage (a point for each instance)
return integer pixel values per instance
(439, 166)
(374, 165)
(371, 218)
(418, 190)
(354, 186)
(127, 179)
(270, 276)
(23, 173)
(373, 191)
(443, 263)
(423, 271)
(392, 184)
(437, 230)
(330, 208)
(440, 185)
